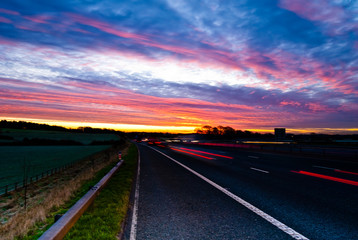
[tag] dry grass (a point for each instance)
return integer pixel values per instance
(48, 194)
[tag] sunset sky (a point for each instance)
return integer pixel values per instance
(173, 65)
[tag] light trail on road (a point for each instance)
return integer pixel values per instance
(175, 149)
(246, 204)
(341, 180)
(208, 153)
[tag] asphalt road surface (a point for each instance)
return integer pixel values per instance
(191, 192)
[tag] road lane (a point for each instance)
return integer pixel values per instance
(317, 208)
(175, 204)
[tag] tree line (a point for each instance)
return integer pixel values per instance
(228, 132)
(38, 126)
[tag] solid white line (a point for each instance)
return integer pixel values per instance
(133, 234)
(324, 167)
(253, 157)
(260, 170)
(262, 214)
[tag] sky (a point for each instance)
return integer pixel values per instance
(174, 65)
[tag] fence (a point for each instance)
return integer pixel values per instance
(31, 179)
(5, 189)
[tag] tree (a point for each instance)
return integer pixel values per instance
(221, 130)
(229, 132)
(198, 131)
(207, 129)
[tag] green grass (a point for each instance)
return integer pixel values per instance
(38, 159)
(103, 218)
(125, 172)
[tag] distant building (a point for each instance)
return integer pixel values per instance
(280, 134)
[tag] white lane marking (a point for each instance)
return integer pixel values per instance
(262, 214)
(253, 157)
(260, 170)
(133, 234)
(324, 167)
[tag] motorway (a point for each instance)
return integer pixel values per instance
(192, 192)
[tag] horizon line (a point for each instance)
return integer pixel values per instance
(128, 128)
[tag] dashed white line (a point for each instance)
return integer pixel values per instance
(259, 170)
(253, 157)
(133, 234)
(262, 214)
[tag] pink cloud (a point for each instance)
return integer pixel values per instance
(283, 70)
(277, 69)
(38, 19)
(115, 105)
(292, 103)
(332, 16)
(105, 27)
(5, 20)
(9, 12)
(223, 57)
(315, 10)
(31, 28)
(7, 42)
(81, 30)
(316, 107)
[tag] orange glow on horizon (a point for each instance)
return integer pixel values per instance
(119, 127)
(171, 129)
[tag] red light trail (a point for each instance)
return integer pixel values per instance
(208, 153)
(191, 153)
(341, 171)
(341, 180)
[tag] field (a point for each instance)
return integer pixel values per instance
(25, 152)
(84, 138)
(14, 160)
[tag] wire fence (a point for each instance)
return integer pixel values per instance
(5, 189)
(30, 179)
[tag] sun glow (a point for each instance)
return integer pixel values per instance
(119, 127)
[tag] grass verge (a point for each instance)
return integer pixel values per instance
(51, 196)
(104, 217)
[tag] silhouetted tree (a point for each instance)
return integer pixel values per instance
(207, 129)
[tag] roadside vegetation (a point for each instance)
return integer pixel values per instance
(51, 196)
(104, 217)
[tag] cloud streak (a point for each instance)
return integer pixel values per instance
(254, 64)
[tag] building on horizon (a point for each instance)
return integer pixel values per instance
(280, 134)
